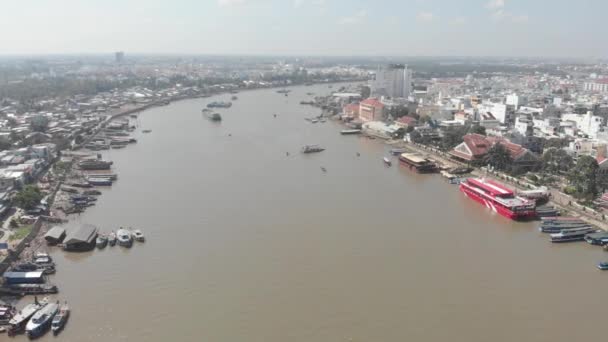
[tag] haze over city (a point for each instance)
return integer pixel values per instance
(558, 28)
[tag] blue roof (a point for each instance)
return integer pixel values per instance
(22, 275)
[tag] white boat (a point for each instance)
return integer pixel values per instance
(112, 239)
(41, 320)
(60, 318)
(387, 161)
(124, 238)
(42, 258)
(18, 322)
(139, 235)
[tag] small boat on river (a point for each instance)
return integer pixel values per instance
(124, 238)
(60, 319)
(138, 235)
(387, 161)
(312, 149)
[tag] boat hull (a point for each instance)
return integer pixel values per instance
(489, 203)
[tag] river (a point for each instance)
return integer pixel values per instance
(245, 243)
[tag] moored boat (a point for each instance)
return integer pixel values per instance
(498, 198)
(350, 131)
(124, 237)
(569, 235)
(101, 242)
(60, 318)
(41, 320)
(112, 239)
(147, 131)
(397, 151)
(18, 322)
(138, 235)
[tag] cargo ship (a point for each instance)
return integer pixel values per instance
(417, 163)
(498, 198)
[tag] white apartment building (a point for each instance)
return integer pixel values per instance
(394, 80)
(586, 123)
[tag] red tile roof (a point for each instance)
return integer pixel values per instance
(372, 102)
(479, 146)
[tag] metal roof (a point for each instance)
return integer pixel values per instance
(84, 233)
(23, 275)
(55, 233)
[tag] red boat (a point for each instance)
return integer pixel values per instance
(498, 198)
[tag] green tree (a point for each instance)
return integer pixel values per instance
(556, 161)
(29, 197)
(399, 111)
(601, 178)
(453, 137)
(499, 158)
(478, 129)
(583, 177)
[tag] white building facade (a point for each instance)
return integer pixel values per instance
(394, 80)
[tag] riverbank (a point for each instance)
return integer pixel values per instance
(559, 200)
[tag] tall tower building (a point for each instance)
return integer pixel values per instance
(393, 80)
(119, 57)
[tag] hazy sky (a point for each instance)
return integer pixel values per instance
(562, 28)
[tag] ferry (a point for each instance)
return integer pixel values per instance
(41, 320)
(498, 198)
(556, 229)
(417, 163)
(18, 322)
(568, 235)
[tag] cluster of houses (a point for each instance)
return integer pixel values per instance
(516, 111)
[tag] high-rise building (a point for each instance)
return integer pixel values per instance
(119, 56)
(393, 80)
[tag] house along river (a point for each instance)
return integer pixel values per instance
(247, 243)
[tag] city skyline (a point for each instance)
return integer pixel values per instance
(306, 27)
